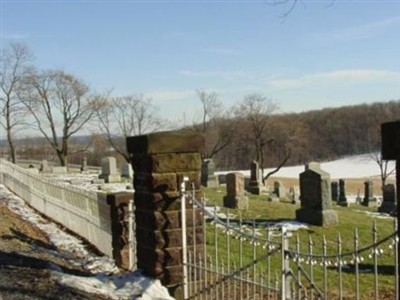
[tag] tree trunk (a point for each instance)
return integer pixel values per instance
(62, 158)
(12, 147)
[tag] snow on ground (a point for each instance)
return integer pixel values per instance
(358, 166)
(105, 279)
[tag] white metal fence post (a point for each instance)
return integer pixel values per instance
(130, 233)
(184, 239)
(285, 284)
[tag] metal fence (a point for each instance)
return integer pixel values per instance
(84, 212)
(242, 259)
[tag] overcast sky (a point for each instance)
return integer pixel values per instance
(324, 54)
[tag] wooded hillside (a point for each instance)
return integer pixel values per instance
(315, 135)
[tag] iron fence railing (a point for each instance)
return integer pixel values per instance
(239, 261)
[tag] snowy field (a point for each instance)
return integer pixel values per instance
(105, 279)
(359, 166)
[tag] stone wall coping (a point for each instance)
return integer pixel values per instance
(165, 142)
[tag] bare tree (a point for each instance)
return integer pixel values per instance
(215, 124)
(256, 110)
(61, 106)
(131, 115)
(384, 169)
(15, 63)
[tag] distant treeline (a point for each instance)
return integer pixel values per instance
(318, 135)
(315, 135)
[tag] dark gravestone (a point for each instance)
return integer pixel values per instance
(253, 186)
(278, 189)
(315, 197)
(389, 199)
(369, 194)
(293, 195)
(335, 191)
(342, 193)
(235, 196)
(208, 178)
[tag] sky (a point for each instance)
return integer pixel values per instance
(323, 54)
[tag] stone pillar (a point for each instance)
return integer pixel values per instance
(390, 135)
(235, 197)
(160, 161)
(342, 193)
(119, 203)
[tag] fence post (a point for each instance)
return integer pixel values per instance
(184, 239)
(285, 285)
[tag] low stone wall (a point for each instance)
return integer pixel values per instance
(95, 216)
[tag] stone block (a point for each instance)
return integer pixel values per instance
(167, 275)
(167, 220)
(239, 202)
(159, 239)
(255, 190)
(324, 218)
(183, 162)
(110, 178)
(166, 142)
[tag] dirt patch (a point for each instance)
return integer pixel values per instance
(26, 261)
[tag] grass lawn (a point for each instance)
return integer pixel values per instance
(350, 218)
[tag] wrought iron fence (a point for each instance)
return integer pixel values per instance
(242, 259)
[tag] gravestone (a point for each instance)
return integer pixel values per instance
(342, 193)
(126, 170)
(235, 196)
(389, 199)
(208, 178)
(335, 191)
(84, 166)
(44, 167)
(369, 199)
(253, 185)
(315, 197)
(293, 197)
(279, 189)
(109, 170)
(358, 198)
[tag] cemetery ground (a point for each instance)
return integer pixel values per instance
(355, 216)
